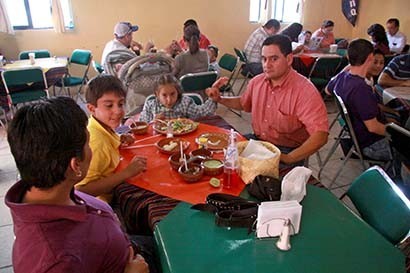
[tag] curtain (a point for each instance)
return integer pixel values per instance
(5, 25)
(57, 15)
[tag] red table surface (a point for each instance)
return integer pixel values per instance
(162, 179)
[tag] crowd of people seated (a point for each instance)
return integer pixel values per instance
(286, 109)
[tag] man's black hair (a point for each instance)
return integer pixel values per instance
(44, 137)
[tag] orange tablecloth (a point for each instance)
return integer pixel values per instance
(161, 179)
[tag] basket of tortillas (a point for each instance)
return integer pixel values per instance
(258, 158)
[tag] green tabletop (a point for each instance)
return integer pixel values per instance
(331, 239)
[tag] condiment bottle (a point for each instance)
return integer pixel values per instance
(231, 164)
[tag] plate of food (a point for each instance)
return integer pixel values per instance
(213, 141)
(171, 145)
(178, 127)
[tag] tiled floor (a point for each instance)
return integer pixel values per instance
(242, 124)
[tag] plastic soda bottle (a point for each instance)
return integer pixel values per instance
(231, 164)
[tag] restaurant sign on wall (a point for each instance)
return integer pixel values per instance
(350, 9)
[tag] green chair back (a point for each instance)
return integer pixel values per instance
(97, 67)
(198, 81)
(81, 57)
(241, 55)
(40, 53)
(381, 204)
(24, 85)
(323, 70)
(228, 62)
(195, 97)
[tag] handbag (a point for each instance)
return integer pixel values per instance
(265, 188)
(230, 210)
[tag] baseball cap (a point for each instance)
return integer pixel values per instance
(123, 28)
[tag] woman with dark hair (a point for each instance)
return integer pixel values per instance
(379, 38)
(195, 59)
(292, 31)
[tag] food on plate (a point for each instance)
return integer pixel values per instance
(169, 147)
(176, 126)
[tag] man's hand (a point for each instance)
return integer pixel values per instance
(213, 94)
(136, 46)
(136, 264)
(220, 82)
(286, 158)
(149, 45)
(136, 166)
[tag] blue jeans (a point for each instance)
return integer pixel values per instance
(380, 150)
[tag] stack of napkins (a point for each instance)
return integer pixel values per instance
(272, 215)
(256, 151)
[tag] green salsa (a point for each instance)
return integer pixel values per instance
(212, 164)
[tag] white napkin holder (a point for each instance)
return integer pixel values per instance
(272, 216)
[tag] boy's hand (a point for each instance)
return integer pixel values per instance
(136, 166)
(213, 94)
(136, 264)
(127, 139)
(220, 82)
(130, 121)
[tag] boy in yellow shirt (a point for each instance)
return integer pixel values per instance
(105, 96)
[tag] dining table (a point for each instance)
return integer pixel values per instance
(303, 62)
(54, 69)
(161, 178)
(396, 92)
(331, 238)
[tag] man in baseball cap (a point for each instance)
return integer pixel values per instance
(123, 40)
(124, 28)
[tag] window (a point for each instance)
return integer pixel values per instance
(282, 10)
(36, 14)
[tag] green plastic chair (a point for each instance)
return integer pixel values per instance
(198, 81)
(354, 151)
(194, 96)
(82, 58)
(97, 67)
(323, 70)
(39, 53)
(24, 85)
(229, 63)
(244, 60)
(381, 204)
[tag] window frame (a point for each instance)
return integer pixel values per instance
(271, 12)
(30, 26)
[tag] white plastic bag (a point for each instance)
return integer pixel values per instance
(294, 184)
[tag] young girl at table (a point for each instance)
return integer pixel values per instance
(169, 102)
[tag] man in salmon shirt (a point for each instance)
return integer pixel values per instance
(287, 110)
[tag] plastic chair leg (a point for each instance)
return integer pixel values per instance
(349, 154)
